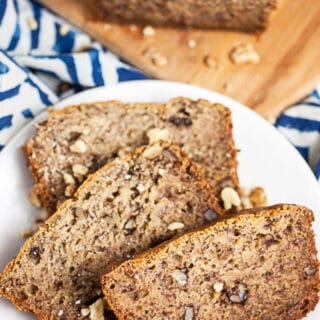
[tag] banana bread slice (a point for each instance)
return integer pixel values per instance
(77, 140)
(261, 264)
(127, 206)
(247, 15)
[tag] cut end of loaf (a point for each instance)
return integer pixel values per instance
(260, 264)
(126, 207)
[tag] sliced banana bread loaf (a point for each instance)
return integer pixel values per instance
(245, 15)
(77, 140)
(126, 207)
(260, 264)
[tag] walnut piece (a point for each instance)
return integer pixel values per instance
(155, 135)
(180, 277)
(152, 152)
(230, 198)
(96, 310)
(79, 147)
(34, 199)
(244, 53)
(175, 226)
(188, 314)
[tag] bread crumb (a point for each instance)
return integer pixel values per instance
(227, 86)
(244, 53)
(34, 199)
(192, 43)
(161, 172)
(210, 61)
(148, 31)
(107, 26)
(32, 24)
(175, 226)
(25, 234)
(64, 30)
(133, 27)
(155, 135)
(96, 310)
(159, 60)
(78, 147)
(230, 198)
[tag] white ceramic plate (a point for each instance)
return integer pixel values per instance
(265, 159)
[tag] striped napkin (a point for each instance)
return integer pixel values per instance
(44, 59)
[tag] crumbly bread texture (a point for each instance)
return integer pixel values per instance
(127, 206)
(77, 140)
(247, 15)
(260, 264)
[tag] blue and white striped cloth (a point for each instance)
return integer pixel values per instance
(38, 51)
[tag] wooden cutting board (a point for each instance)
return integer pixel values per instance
(289, 52)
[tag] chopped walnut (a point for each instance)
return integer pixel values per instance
(210, 61)
(85, 312)
(34, 199)
(218, 287)
(244, 53)
(97, 310)
(230, 198)
(79, 170)
(152, 152)
(158, 134)
(159, 60)
(79, 147)
(68, 179)
(32, 24)
(188, 314)
(175, 226)
(70, 190)
(64, 30)
(180, 277)
(258, 197)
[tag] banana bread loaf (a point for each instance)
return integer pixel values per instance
(77, 140)
(124, 208)
(260, 264)
(247, 15)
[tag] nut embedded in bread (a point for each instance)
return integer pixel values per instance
(244, 15)
(260, 264)
(124, 208)
(77, 140)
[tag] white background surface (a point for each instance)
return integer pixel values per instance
(265, 159)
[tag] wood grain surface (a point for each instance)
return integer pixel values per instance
(289, 50)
